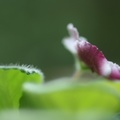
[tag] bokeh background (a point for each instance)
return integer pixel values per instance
(31, 31)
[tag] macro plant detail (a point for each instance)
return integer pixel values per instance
(90, 55)
(24, 95)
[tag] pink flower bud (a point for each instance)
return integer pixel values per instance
(90, 55)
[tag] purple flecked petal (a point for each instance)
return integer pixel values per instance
(96, 61)
(91, 56)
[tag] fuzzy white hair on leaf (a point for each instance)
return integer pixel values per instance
(28, 69)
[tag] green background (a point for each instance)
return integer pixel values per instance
(31, 31)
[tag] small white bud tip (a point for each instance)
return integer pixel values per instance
(73, 31)
(70, 26)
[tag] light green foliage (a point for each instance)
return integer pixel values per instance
(35, 115)
(73, 96)
(53, 115)
(65, 98)
(11, 81)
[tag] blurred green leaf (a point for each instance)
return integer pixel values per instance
(53, 115)
(72, 96)
(34, 115)
(11, 81)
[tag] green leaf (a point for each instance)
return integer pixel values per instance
(11, 81)
(72, 96)
(53, 115)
